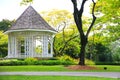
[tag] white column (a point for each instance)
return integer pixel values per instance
(32, 46)
(15, 46)
(12, 46)
(9, 46)
(29, 46)
(51, 42)
(19, 47)
(26, 46)
(45, 46)
(16, 42)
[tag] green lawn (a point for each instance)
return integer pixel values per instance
(15, 77)
(110, 68)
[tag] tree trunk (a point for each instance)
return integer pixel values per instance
(78, 20)
(82, 50)
(82, 55)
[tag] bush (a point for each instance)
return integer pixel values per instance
(89, 62)
(53, 62)
(66, 58)
(12, 63)
(106, 63)
(30, 61)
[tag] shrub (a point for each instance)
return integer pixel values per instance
(12, 63)
(89, 62)
(30, 61)
(66, 58)
(107, 63)
(53, 62)
(34, 61)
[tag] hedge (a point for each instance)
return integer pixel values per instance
(107, 63)
(37, 62)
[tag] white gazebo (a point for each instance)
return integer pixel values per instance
(30, 36)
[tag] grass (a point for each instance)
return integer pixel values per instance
(32, 68)
(110, 68)
(21, 77)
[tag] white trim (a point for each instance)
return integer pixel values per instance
(30, 30)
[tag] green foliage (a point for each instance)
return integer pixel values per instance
(63, 60)
(98, 52)
(53, 62)
(12, 63)
(115, 49)
(116, 55)
(25, 2)
(107, 63)
(57, 18)
(66, 58)
(34, 61)
(109, 21)
(30, 61)
(105, 32)
(71, 47)
(3, 44)
(5, 24)
(64, 41)
(89, 62)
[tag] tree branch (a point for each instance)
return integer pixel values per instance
(82, 8)
(78, 16)
(62, 49)
(93, 21)
(64, 31)
(75, 11)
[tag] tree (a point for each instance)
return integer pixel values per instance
(5, 24)
(115, 49)
(78, 20)
(3, 44)
(109, 19)
(62, 21)
(108, 24)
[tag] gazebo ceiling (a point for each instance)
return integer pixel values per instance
(30, 20)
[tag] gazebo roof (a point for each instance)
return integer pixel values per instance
(30, 20)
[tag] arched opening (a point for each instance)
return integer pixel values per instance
(38, 45)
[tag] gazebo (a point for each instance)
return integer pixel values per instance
(30, 36)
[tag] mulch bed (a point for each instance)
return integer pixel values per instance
(78, 67)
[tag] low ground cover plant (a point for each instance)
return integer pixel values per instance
(34, 61)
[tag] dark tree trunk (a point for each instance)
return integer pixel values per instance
(78, 20)
(82, 53)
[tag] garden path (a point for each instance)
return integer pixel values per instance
(94, 74)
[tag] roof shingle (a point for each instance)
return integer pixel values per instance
(30, 19)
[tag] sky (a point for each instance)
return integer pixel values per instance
(11, 9)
